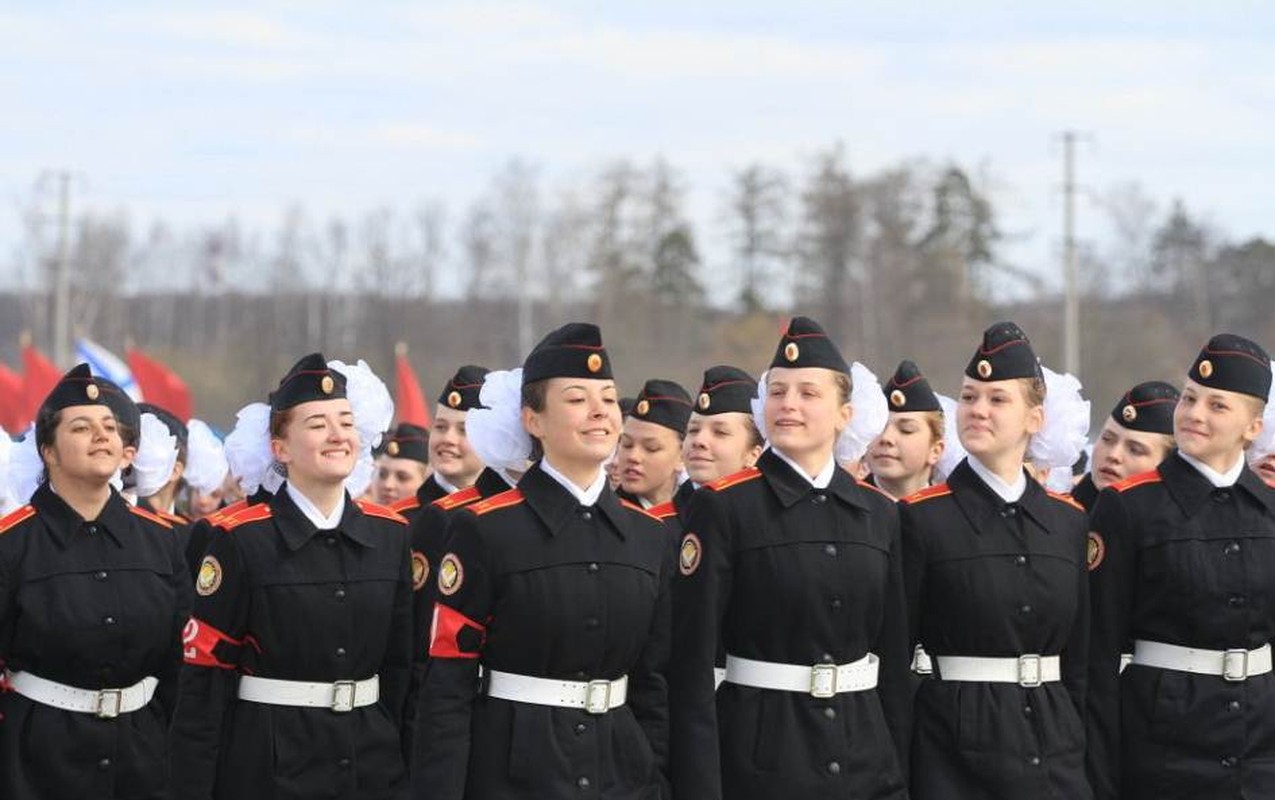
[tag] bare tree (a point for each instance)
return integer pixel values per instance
(755, 215)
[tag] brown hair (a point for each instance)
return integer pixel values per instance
(533, 397)
(1033, 391)
(935, 421)
(279, 423)
(845, 386)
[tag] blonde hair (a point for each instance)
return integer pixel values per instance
(1033, 391)
(936, 422)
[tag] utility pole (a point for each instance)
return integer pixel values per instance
(1071, 288)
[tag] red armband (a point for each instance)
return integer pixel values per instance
(454, 635)
(199, 644)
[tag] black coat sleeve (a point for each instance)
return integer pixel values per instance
(894, 648)
(648, 684)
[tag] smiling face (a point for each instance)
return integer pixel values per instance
(649, 459)
(86, 446)
(319, 443)
(1214, 425)
(1121, 453)
(449, 452)
(805, 410)
(907, 448)
(994, 419)
(579, 424)
(718, 445)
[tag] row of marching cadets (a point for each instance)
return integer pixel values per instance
(725, 594)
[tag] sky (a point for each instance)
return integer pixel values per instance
(193, 112)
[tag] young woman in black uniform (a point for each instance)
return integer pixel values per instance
(557, 594)
(298, 649)
(903, 457)
(1133, 440)
(93, 596)
(650, 454)
(998, 594)
(1183, 568)
(794, 568)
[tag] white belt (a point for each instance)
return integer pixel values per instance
(719, 675)
(921, 662)
(1234, 665)
(595, 697)
(819, 680)
(105, 703)
(1027, 671)
(341, 696)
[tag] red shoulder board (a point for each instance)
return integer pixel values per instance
(374, 510)
(249, 514)
(643, 511)
(734, 479)
(937, 490)
(14, 517)
(662, 511)
(220, 514)
(176, 519)
(503, 500)
(458, 498)
(1066, 498)
(1150, 476)
(877, 489)
(410, 503)
(150, 515)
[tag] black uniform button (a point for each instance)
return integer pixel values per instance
(1008, 511)
(1221, 497)
(1025, 609)
(826, 658)
(1231, 548)
(104, 764)
(1236, 601)
(330, 541)
(591, 623)
(91, 529)
(108, 620)
(593, 566)
(586, 515)
(1034, 761)
(579, 676)
(1234, 705)
(830, 712)
(344, 763)
(101, 575)
(1020, 560)
(340, 652)
(339, 593)
(821, 498)
(834, 768)
(1230, 761)
(581, 728)
(583, 782)
(1028, 710)
(836, 603)
(830, 550)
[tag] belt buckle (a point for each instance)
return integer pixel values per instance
(597, 697)
(1029, 671)
(109, 703)
(1231, 671)
(823, 681)
(343, 694)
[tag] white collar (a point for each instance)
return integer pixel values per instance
(1009, 492)
(445, 484)
(819, 481)
(1218, 479)
(312, 512)
(586, 497)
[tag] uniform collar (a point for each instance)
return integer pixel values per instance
(64, 522)
(490, 483)
(324, 522)
(790, 486)
(984, 507)
(585, 497)
(819, 481)
(555, 503)
(1085, 492)
(297, 529)
(1220, 480)
(682, 499)
(1008, 492)
(1191, 489)
(447, 486)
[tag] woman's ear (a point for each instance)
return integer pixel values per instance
(279, 449)
(532, 423)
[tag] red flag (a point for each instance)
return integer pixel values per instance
(409, 402)
(13, 416)
(39, 376)
(160, 385)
